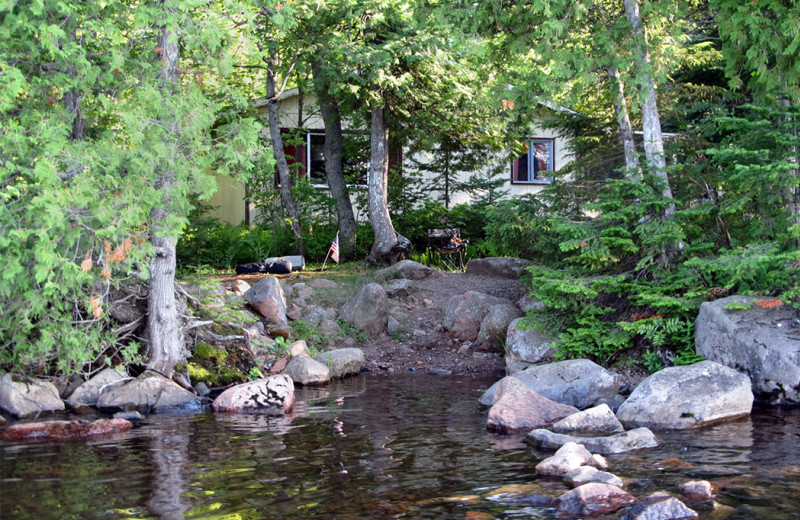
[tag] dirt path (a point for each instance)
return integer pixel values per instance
(422, 345)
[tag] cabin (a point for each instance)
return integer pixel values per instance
(529, 173)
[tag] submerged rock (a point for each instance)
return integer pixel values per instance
(659, 506)
(24, 396)
(688, 396)
(63, 430)
(273, 395)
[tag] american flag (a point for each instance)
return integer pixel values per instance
(335, 249)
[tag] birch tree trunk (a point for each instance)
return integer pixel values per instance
(334, 144)
(166, 347)
(624, 122)
(388, 245)
(651, 121)
(282, 165)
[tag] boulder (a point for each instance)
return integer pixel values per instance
(88, 392)
(240, 287)
(150, 392)
(24, 397)
(492, 334)
(658, 506)
(393, 326)
(407, 269)
(466, 312)
(593, 499)
(315, 315)
(577, 382)
(298, 348)
(761, 341)
(599, 420)
(273, 395)
(569, 457)
(342, 362)
(530, 303)
(519, 408)
(502, 267)
(687, 396)
(267, 298)
(330, 330)
(367, 310)
(698, 490)
(525, 347)
(307, 371)
(635, 439)
(63, 430)
(586, 474)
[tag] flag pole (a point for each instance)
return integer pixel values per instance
(329, 252)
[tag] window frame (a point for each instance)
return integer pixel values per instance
(308, 164)
(515, 163)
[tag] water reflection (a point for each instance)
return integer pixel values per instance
(373, 447)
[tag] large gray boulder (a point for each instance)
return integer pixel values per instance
(24, 397)
(635, 439)
(367, 310)
(466, 312)
(518, 408)
(502, 267)
(761, 341)
(307, 371)
(494, 326)
(272, 395)
(577, 382)
(407, 269)
(150, 392)
(525, 347)
(88, 393)
(267, 298)
(342, 362)
(687, 396)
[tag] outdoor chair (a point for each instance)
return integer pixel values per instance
(447, 246)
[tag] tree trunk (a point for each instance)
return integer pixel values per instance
(284, 177)
(388, 246)
(651, 121)
(624, 122)
(166, 347)
(334, 144)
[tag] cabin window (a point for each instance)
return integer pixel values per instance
(536, 164)
(355, 159)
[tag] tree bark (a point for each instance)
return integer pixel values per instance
(284, 176)
(166, 347)
(651, 121)
(388, 246)
(625, 128)
(334, 144)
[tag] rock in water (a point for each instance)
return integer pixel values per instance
(342, 362)
(687, 396)
(25, 397)
(307, 371)
(272, 395)
(760, 341)
(593, 499)
(150, 392)
(62, 430)
(518, 408)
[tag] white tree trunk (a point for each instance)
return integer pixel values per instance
(624, 122)
(651, 121)
(166, 347)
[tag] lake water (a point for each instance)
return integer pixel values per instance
(400, 446)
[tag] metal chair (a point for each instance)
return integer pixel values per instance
(448, 247)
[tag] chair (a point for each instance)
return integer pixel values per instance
(448, 247)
